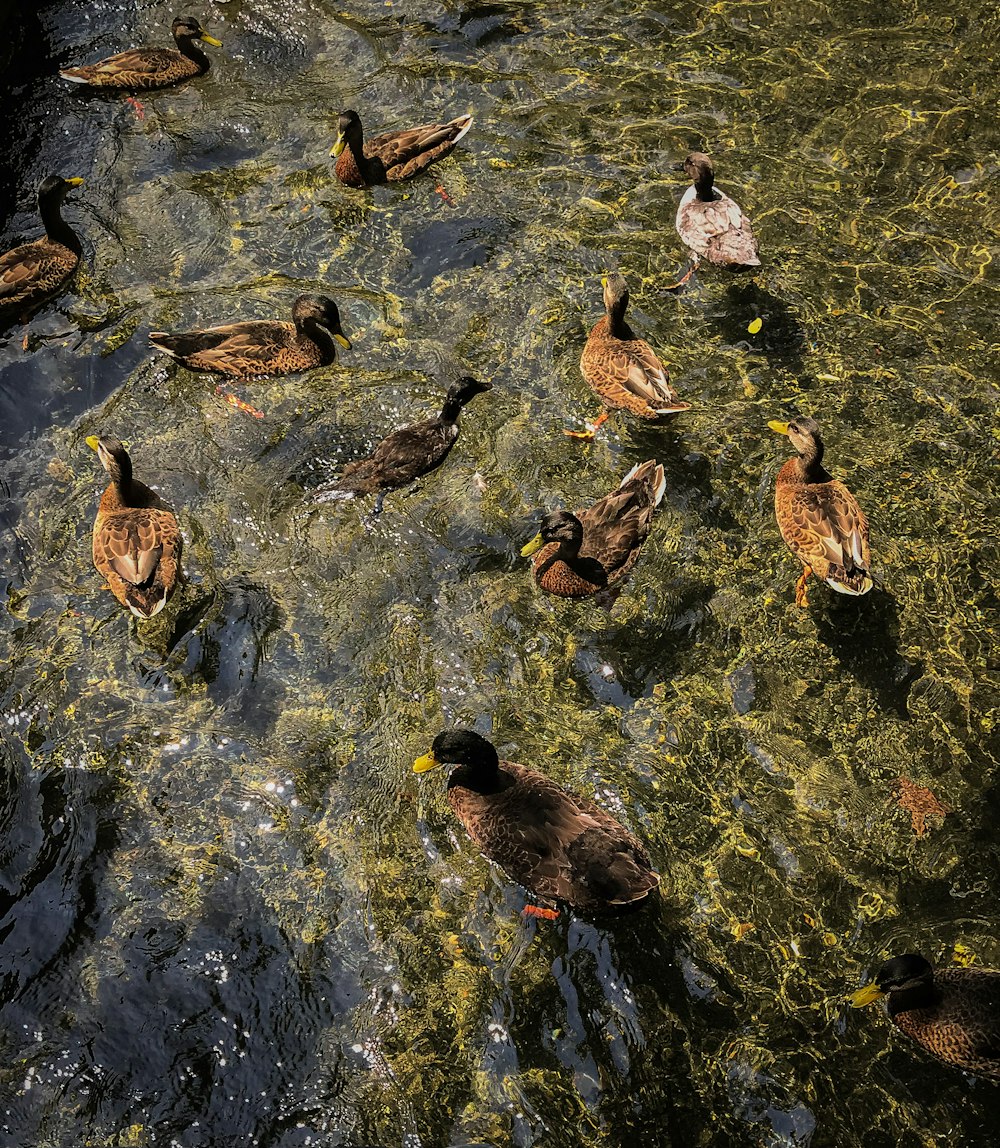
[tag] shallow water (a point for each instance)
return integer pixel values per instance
(232, 914)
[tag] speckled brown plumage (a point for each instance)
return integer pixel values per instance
(136, 541)
(710, 223)
(819, 518)
(623, 369)
(393, 156)
(33, 272)
(263, 346)
(586, 552)
(142, 69)
(557, 845)
(953, 1013)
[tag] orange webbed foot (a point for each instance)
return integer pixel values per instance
(801, 596)
(592, 428)
(692, 268)
(540, 912)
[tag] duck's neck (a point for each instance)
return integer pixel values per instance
(704, 187)
(616, 321)
(451, 410)
(479, 778)
(356, 143)
(811, 463)
(318, 334)
(56, 228)
(923, 995)
(188, 46)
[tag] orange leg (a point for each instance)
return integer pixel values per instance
(538, 911)
(801, 598)
(684, 278)
(591, 430)
(137, 107)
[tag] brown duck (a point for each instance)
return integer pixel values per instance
(581, 554)
(711, 224)
(819, 519)
(137, 542)
(408, 453)
(140, 69)
(623, 369)
(558, 846)
(35, 271)
(262, 346)
(953, 1013)
(393, 156)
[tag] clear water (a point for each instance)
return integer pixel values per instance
(232, 915)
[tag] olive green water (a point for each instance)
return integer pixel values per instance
(232, 914)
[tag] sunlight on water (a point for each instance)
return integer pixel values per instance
(235, 916)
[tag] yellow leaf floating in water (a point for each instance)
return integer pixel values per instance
(755, 325)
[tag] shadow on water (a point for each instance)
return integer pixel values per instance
(781, 336)
(863, 634)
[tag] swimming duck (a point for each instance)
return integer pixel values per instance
(393, 156)
(558, 846)
(33, 272)
(262, 346)
(408, 452)
(622, 369)
(584, 553)
(819, 519)
(137, 542)
(953, 1013)
(711, 224)
(140, 69)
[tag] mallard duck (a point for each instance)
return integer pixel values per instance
(711, 224)
(819, 518)
(262, 346)
(408, 452)
(954, 1013)
(584, 553)
(140, 69)
(393, 156)
(137, 542)
(558, 846)
(623, 369)
(33, 272)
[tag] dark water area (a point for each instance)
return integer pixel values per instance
(231, 915)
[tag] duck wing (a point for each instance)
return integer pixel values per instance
(824, 526)
(136, 68)
(239, 349)
(555, 844)
(405, 153)
(138, 551)
(717, 230)
(32, 270)
(400, 458)
(628, 373)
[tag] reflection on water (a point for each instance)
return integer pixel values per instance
(231, 915)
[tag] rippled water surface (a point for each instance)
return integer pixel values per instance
(232, 915)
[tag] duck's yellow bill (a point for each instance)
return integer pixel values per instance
(866, 996)
(425, 763)
(529, 548)
(210, 40)
(75, 181)
(343, 341)
(339, 146)
(92, 441)
(778, 427)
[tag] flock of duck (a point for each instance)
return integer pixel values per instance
(559, 846)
